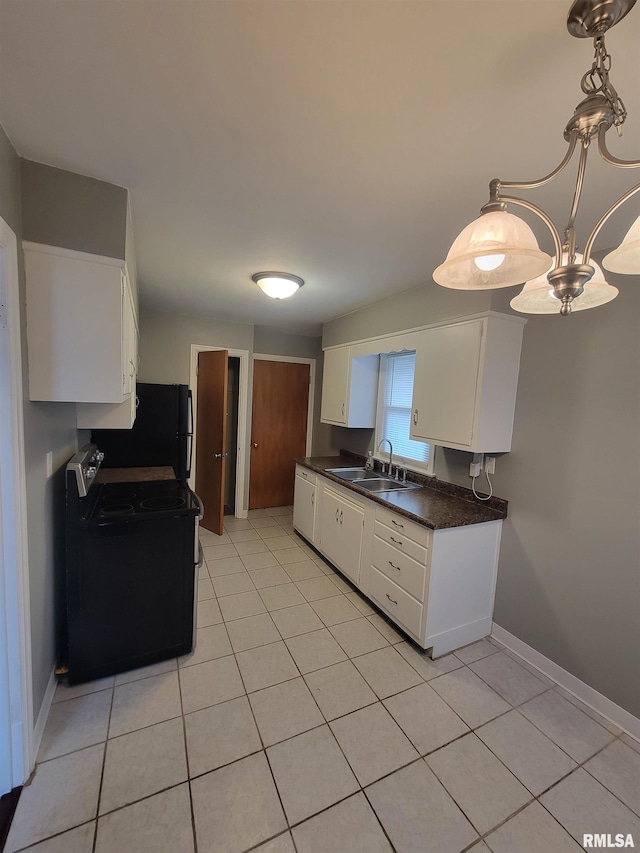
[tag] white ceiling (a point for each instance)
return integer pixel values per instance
(347, 142)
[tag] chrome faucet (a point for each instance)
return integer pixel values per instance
(382, 441)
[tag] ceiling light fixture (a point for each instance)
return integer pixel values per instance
(499, 249)
(277, 285)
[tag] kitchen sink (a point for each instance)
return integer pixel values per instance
(383, 484)
(370, 480)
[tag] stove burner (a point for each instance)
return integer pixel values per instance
(163, 486)
(118, 493)
(162, 502)
(117, 509)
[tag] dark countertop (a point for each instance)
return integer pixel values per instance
(135, 475)
(438, 505)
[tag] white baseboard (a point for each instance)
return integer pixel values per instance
(590, 697)
(38, 729)
(447, 641)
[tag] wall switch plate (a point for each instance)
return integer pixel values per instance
(49, 464)
(490, 464)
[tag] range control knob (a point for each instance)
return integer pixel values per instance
(99, 456)
(91, 472)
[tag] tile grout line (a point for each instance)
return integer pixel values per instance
(104, 761)
(186, 757)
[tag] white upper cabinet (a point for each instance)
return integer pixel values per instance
(81, 328)
(465, 383)
(349, 388)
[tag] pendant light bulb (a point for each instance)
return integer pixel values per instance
(489, 262)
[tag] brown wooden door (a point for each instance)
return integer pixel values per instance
(211, 435)
(278, 430)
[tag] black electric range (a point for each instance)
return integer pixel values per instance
(132, 558)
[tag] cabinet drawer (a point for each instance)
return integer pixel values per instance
(400, 568)
(396, 522)
(306, 474)
(401, 542)
(402, 608)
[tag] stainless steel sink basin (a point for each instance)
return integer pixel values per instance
(382, 484)
(352, 474)
(370, 480)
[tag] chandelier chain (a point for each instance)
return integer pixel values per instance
(597, 80)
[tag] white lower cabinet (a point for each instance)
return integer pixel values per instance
(341, 529)
(437, 585)
(304, 503)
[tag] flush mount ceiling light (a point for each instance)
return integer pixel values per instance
(277, 285)
(498, 249)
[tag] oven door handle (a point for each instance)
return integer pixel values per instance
(190, 433)
(199, 502)
(200, 556)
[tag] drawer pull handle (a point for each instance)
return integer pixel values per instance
(313, 498)
(396, 541)
(337, 514)
(391, 599)
(397, 523)
(340, 516)
(397, 568)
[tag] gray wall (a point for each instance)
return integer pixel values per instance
(47, 427)
(165, 353)
(165, 343)
(95, 213)
(568, 579)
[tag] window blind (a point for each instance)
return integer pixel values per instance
(396, 410)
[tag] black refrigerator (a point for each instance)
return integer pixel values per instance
(162, 433)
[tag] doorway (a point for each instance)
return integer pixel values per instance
(237, 377)
(231, 460)
(282, 402)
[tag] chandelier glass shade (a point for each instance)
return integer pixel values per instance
(278, 285)
(626, 258)
(499, 249)
(496, 250)
(537, 296)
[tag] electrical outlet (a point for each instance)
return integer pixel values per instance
(475, 467)
(49, 464)
(490, 464)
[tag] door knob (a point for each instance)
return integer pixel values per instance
(254, 444)
(217, 455)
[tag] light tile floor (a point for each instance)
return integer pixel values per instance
(304, 722)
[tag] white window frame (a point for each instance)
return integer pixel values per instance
(382, 454)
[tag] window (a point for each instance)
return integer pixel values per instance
(395, 393)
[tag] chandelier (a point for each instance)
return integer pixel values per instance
(499, 249)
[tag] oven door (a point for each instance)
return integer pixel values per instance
(130, 595)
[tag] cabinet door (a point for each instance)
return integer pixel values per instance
(335, 385)
(342, 524)
(445, 384)
(74, 328)
(304, 508)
